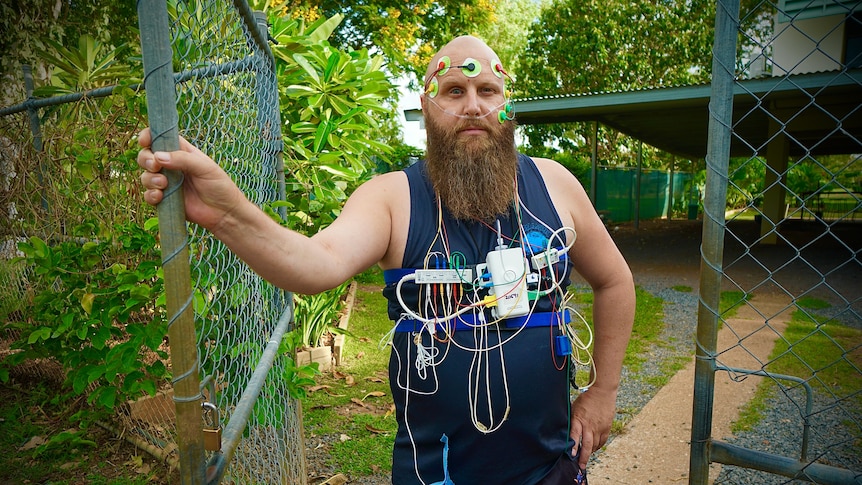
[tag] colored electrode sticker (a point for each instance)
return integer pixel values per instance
(471, 67)
(497, 68)
(443, 65)
(433, 87)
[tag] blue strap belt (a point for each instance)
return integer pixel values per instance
(469, 321)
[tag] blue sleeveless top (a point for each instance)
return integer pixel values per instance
(520, 388)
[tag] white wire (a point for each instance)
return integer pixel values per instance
(579, 346)
(407, 392)
(476, 364)
(406, 309)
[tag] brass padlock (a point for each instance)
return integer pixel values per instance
(212, 427)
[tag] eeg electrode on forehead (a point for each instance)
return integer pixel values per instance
(471, 68)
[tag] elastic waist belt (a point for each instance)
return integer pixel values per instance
(469, 322)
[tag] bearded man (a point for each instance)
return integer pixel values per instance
(477, 243)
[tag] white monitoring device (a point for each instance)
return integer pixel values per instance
(508, 270)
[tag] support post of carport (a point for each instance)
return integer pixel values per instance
(670, 187)
(774, 191)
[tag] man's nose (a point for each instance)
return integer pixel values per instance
(472, 106)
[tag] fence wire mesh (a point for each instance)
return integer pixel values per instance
(228, 107)
(227, 102)
(796, 266)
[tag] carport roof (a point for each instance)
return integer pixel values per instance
(822, 112)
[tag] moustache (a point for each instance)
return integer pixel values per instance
(473, 122)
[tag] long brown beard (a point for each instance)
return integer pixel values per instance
(474, 177)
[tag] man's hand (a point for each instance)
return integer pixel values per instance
(208, 191)
(592, 415)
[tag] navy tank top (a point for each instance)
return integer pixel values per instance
(516, 393)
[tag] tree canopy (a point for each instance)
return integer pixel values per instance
(591, 46)
(406, 33)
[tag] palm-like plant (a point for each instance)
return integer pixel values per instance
(86, 67)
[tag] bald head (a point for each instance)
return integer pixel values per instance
(461, 48)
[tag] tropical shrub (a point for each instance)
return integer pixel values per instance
(317, 315)
(95, 313)
(328, 99)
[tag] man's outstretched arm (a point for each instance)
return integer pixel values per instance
(355, 241)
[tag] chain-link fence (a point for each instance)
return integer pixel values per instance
(226, 104)
(789, 113)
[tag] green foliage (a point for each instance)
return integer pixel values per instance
(823, 174)
(746, 182)
(15, 290)
(95, 314)
(69, 438)
(403, 156)
(591, 46)
(86, 67)
(594, 46)
(406, 34)
(578, 162)
(67, 454)
(509, 28)
(74, 182)
(89, 281)
(299, 378)
(25, 24)
(317, 315)
(329, 99)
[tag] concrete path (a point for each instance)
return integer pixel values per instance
(655, 445)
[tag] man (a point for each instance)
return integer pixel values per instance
(480, 365)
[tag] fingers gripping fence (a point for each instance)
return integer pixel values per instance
(225, 331)
(796, 265)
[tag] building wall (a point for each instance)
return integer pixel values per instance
(808, 45)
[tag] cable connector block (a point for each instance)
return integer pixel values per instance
(562, 346)
(436, 276)
(545, 259)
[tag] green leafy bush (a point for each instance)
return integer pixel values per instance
(328, 99)
(317, 315)
(95, 313)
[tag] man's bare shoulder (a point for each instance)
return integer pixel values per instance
(383, 205)
(389, 186)
(552, 169)
(547, 164)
